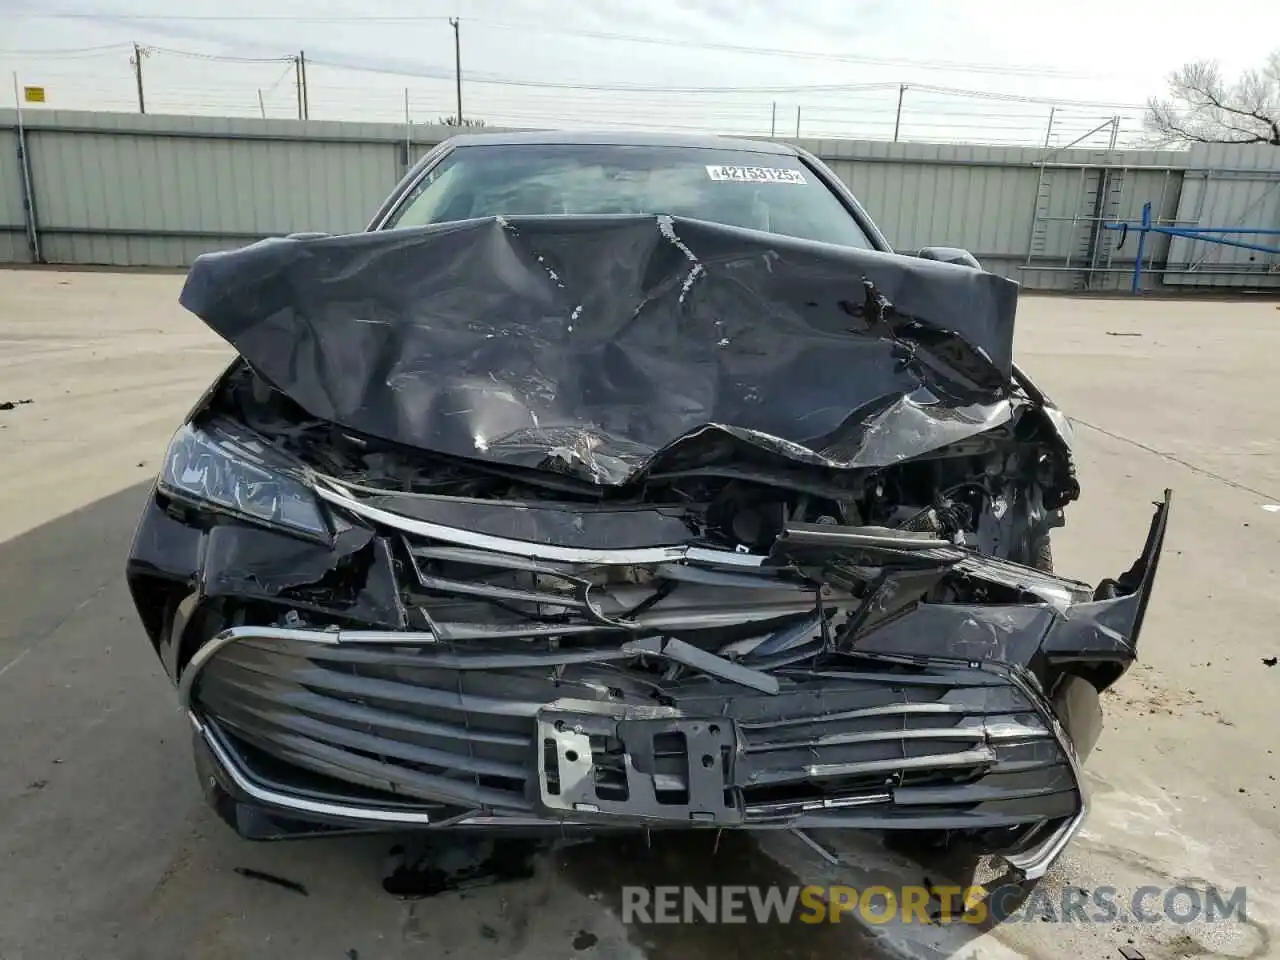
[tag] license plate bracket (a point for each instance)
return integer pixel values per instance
(603, 761)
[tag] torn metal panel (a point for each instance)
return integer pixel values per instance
(708, 663)
(1108, 628)
(354, 577)
(895, 592)
(581, 525)
(1093, 632)
(553, 552)
(853, 538)
(575, 344)
(264, 562)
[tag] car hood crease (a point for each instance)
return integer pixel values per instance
(608, 347)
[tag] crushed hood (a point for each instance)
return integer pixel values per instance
(606, 347)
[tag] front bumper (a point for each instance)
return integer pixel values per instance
(371, 730)
(943, 717)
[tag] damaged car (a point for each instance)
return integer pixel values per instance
(613, 483)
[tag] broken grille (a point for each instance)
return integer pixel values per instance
(456, 726)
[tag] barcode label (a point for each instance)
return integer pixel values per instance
(754, 174)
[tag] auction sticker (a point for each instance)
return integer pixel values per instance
(754, 174)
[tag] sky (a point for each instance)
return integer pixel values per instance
(974, 70)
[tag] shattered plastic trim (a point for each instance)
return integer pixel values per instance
(327, 491)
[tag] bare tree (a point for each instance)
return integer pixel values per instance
(452, 121)
(1202, 107)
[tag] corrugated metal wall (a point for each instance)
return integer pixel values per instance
(1075, 195)
(1228, 185)
(1029, 214)
(158, 191)
(132, 190)
(975, 197)
(13, 240)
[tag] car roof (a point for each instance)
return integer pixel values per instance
(643, 139)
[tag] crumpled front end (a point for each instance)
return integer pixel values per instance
(617, 523)
(436, 676)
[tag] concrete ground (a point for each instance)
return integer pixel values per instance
(107, 849)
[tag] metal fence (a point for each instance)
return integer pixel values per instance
(132, 190)
(1229, 187)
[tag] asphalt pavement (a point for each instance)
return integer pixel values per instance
(107, 849)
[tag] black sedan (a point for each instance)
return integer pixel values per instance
(626, 483)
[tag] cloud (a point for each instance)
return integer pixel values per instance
(362, 68)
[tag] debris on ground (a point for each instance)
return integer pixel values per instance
(1122, 333)
(817, 848)
(272, 878)
(10, 404)
(1130, 953)
(584, 940)
(1270, 661)
(426, 869)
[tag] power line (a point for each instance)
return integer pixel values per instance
(957, 66)
(226, 17)
(591, 97)
(498, 80)
(68, 51)
(194, 55)
(279, 80)
(1013, 97)
(927, 64)
(834, 106)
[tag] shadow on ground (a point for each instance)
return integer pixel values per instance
(111, 852)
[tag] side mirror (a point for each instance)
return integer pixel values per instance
(956, 255)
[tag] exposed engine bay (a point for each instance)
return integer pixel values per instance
(999, 493)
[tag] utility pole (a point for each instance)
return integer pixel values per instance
(1048, 131)
(138, 53)
(797, 121)
(297, 83)
(897, 120)
(302, 66)
(457, 63)
(262, 107)
(28, 194)
(773, 120)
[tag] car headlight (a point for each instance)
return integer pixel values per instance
(219, 467)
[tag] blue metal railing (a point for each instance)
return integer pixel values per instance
(1207, 234)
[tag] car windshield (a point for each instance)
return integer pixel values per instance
(761, 191)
